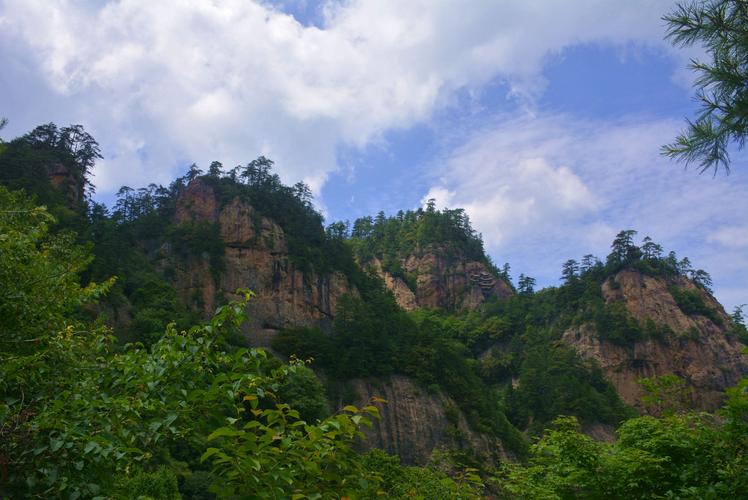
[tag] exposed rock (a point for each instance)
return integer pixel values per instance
(414, 423)
(698, 350)
(443, 281)
(404, 296)
(61, 177)
(197, 203)
(256, 257)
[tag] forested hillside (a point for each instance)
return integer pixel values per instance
(130, 365)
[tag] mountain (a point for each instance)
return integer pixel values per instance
(255, 256)
(693, 340)
(407, 308)
(623, 319)
(429, 259)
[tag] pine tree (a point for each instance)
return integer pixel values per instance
(526, 285)
(722, 27)
(570, 271)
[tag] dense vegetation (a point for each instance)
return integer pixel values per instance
(684, 455)
(392, 239)
(82, 417)
(171, 406)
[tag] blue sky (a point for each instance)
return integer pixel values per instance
(543, 119)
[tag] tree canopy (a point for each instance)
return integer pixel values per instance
(721, 26)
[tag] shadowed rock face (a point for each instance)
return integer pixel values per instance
(414, 423)
(256, 257)
(443, 281)
(698, 350)
(62, 178)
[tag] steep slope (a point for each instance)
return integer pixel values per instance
(254, 256)
(443, 281)
(429, 259)
(415, 423)
(692, 344)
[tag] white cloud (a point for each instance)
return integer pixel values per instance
(195, 81)
(503, 192)
(542, 189)
(731, 236)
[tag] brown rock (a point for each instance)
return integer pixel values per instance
(404, 296)
(196, 203)
(414, 423)
(443, 281)
(698, 350)
(256, 257)
(61, 177)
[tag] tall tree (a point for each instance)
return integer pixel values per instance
(650, 249)
(702, 279)
(622, 246)
(193, 173)
(570, 271)
(721, 26)
(588, 262)
(215, 169)
(525, 285)
(684, 266)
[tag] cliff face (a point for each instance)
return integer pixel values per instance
(697, 349)
(255, 257)
(415, 423)
(443, 281)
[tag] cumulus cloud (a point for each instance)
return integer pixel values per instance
(545, 188)
(731, 236)
(504, 192)
(163, 83)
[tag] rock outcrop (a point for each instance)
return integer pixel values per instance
(698, 350)
(414, 423)
(255, 257)
(443, 281)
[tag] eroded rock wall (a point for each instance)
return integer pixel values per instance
(698, 350)
(443, 281)
(414, 423)
(256, 257)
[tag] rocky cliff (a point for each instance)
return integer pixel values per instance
(255, 257)
(443, 281)
(696, 348)
(415, 423)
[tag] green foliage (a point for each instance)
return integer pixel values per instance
(424, 483)
(562, 465)
(39, 284)
(554, 380)
(159, 484)
(108, 411)
(369, 334)
(721, 26)
(199, 240)
(737, 325)
(680, 456)
(665, 395)
(303, 392)
(306, 343)
(196, 485)
(275, 454)
(692, 302)
(68, 153)
(392, 239)
(79, 418)
(615, 324)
